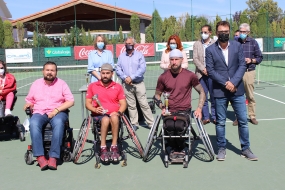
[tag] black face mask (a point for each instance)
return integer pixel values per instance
(224, 37)
(129, 47)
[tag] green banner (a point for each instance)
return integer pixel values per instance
(58, 52)
(278, 42)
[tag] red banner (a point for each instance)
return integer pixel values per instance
(146, 49)
(81, 52)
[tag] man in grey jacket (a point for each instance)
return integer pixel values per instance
(199, 49)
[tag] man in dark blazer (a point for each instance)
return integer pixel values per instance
(226, 66)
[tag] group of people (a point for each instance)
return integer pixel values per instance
(224, 69)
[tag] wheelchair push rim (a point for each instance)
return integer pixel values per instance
(205, 138)
(81, 139)
(133, 135)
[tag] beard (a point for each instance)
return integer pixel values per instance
(49, 78)
(106, 80)
(175, 68)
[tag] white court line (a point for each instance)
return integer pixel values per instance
(24, 85)
(269, 98)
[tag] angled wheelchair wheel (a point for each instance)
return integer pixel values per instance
(81, 139)
(29, 158)
(133, 135)
(205, 138)
(151, 136)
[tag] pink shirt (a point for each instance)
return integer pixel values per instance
(108, 96)
(46, 98)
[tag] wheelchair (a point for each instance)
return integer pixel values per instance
(11, 124)
(125, 124)
(189, 140)
(66, 147)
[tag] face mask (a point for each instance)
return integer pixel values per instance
(100, 45)
(173, 46)
(2, 71)
(205, 36)
(129, 47)
(243, 36)
(236, 38)
(224, 37)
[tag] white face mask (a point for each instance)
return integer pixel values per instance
(2, 71)
(205, 36)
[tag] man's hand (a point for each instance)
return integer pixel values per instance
(114, 113)
(229, 86)
(52, 114)
(205, 72)
(128, 80)
(163, 112)
(198, 113)
(28, 105)
(247, 60)
(99, 110)
(169, 66)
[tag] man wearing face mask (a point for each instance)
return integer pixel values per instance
(226, 66)
(253, 57)
(131, 67)
(201, 71)
(98, 57)
(236, 35)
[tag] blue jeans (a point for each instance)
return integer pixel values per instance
(57, 123)
(238, 104)
(207, 85)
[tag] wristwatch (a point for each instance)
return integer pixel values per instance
(251, 60)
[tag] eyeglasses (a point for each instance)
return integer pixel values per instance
(172, 43)
(243, 32)
(203, 32)
(224, 32)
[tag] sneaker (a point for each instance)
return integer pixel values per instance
(206, 121)
(42, 162)
(8, 112)
(246, 102)
(52, 163)
(221, 154)
(235, 123)
(135, 127)
(104, 154)
(253, 121)
(114, 153)
(181, 154)
(172, 155)
(249, 155)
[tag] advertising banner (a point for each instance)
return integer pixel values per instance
(19, 55)
(81, 52)
(186, 46)
(260, 43)
(58, 52)
(278, 42)
(146, 49)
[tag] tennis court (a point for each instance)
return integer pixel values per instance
(267, 142)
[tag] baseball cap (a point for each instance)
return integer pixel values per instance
(175, 53)
(107, 66)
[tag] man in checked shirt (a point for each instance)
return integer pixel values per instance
(253, 57)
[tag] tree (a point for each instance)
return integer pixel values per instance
(168, 26)
(262, 23)
(198, 23)
(135, 27)
(218, 19)
(244, 18)
(1, 33)
(21, 33)
(121, 37)
(188, 28)
(35, 39)
(8, 34)
(90, 39)
(83, 37)
(148, 34)
(156, 23)
(282, 25)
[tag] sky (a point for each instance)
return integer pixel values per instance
(166, 8)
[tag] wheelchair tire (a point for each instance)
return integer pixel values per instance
(29, 158)
(133, 135)
(205, 138)
(67, 156)
(166, 161)
(151, 135)
(81, 139)
(22, 136)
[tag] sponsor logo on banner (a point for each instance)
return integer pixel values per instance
(260, 43)
(186, 46)
(146, 49)
(19, 55)
(82, 52)
(278, 42)
(58, 52)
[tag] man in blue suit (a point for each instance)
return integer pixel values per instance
(226, 66)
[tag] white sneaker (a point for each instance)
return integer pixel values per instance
(8, 112)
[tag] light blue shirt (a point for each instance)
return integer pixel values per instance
(96, 60)
(133, 66)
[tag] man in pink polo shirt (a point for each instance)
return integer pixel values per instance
(49, 98)
(113, 101)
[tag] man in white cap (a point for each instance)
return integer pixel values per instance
(178, 82)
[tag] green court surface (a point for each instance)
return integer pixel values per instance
(267, 142)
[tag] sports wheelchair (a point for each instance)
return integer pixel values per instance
(165, 137)
(125, 124)
(67, 142)
(11, 124)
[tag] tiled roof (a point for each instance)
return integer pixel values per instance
(76, 2)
